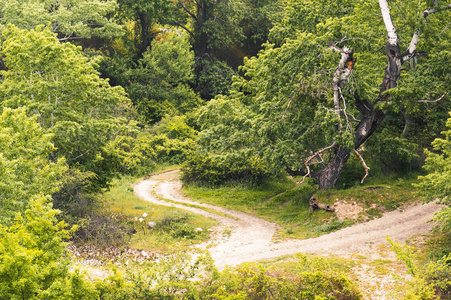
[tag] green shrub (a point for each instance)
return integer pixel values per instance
(32, 264)
(438, 275)
(431, 282)
(255, 284)
(174, 279)
(177, 226)
(217, 170)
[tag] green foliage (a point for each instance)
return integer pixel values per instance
(213, 78)
(392, 153)
(312, 279)
(431, 281)
(219, 170)
(135, 152)
(170, 141)
(266, 115)
(438, 163)
(306, 16)
(31, 258)
(172, 279)
(438, 274)
(141, 17)
(58, 84)
(438, 182)
(160, 84)
(169, 279)
(25, 171)
(283, 103)
(69, 18)
(246, 283)
(176, 127)
(406, 254)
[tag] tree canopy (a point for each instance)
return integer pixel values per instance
(57, 83)
(25, 171)
(314, 95)
(71, 19)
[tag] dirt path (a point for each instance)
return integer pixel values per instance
(251, 237)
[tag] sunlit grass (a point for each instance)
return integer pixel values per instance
(279, 201)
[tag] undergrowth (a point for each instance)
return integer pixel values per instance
(179, 278)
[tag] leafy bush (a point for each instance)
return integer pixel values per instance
(248, 283)
(217, 170)
(392, 153)
(213, 78)
(430, 282)
(32, 265)
(140, 153)
(174, 279)
(438, 274)
(177, 226)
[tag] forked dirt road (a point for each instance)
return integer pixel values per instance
(251, 238)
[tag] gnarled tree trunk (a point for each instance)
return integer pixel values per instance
(329, 175)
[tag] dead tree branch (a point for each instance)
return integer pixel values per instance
(307, 161)
(433, 101)
(363, 164)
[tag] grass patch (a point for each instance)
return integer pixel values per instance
(168, 236)
(238, 196)
(279, 201)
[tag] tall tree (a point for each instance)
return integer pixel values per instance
(371, 114)
(55, 82)
(306, 104)
(160, 83)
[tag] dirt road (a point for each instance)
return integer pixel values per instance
(251, 238)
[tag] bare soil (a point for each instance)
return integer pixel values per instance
(241, 237)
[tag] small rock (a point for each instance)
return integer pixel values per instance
(145, 215)
(198, 230)
(144, 253)
(135, 219)
(140, 219)
(151, 225)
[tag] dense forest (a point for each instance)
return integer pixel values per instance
(233, 92)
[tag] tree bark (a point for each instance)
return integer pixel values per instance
(145, 35)
(329, 175)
